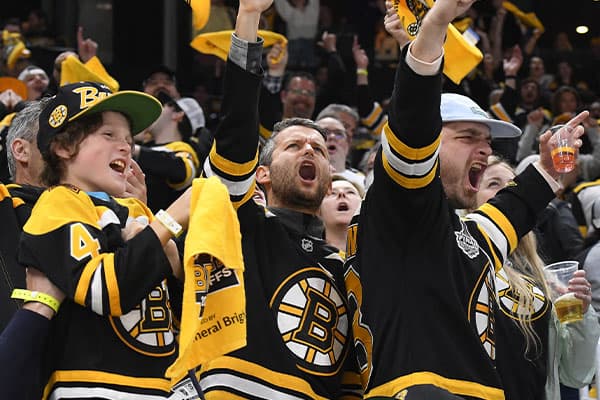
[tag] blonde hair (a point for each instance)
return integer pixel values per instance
(526, 266)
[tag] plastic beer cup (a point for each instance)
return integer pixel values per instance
(568, 307)
(563, 149)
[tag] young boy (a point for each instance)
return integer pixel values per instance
(113, 337)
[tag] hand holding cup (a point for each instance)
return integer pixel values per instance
(559, 277)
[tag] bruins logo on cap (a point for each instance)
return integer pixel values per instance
(58, 116)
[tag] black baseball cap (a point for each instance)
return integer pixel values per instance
(162, 69)
(75, 100)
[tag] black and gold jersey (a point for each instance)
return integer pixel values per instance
(12, 274)
(170, 169)
(420, 279)
(113, 336)
(24, 198)
(17, 202)
(523, 370)
(299, 342)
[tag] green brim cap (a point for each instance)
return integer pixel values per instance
(76, 100)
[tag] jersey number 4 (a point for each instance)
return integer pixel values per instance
(82, 243)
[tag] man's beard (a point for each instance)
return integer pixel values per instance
(290, 195)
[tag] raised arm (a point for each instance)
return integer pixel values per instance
(235, 154)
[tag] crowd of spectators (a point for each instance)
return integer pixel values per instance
(341, 77)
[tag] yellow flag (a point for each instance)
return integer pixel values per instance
(460, 56)
(72, 70)
(200, 12)
(523, 14)
(213, 319)
(218, 43)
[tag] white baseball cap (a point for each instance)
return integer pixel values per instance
(456, 107)
(192, 111)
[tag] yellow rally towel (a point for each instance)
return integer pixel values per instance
(200, 12)
(213, 320)
(218, 43)
(73, 70)
(7, 120)
(460, 56)
(13, 47)
(522, 11)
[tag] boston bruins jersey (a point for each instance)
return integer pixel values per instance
(298, 334)
(112, 337)
(17, 203)
(13, 275)
(523, 372)
(24, 198)
(169, 168)
(420, 278)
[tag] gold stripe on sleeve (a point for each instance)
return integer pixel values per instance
(503, 223)
(410, 152)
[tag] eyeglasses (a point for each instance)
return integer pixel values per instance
(302, 92)
(337, 134)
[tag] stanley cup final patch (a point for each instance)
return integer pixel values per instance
(466, 243)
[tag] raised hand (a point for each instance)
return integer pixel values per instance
(248, 18)
(444, 12)
(328, 42)
(512, 64)
(136, 183)
(277, 59)
(86, 48)
(536, 118)
(360, 56)
(546, 149)
(394, 26)
(251, 6)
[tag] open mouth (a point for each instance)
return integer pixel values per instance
(343, 206)
(475, 174)
(331, 148)
(308, 171)
(118, 165)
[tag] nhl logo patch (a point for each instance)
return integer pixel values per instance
(307, 245)
(466, 243)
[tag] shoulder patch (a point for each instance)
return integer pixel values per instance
(466, 242)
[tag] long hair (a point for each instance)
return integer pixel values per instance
(523, 267)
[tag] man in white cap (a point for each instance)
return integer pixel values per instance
(420, 279)
(37, 81)
(170, 161)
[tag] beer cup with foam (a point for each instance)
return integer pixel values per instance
(568, 307)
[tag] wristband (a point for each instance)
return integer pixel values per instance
(168, 222)
(362, 71)
(39, 297)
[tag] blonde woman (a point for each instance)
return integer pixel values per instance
(534, 350)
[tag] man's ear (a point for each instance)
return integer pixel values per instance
(20, 149)
(263, 175)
